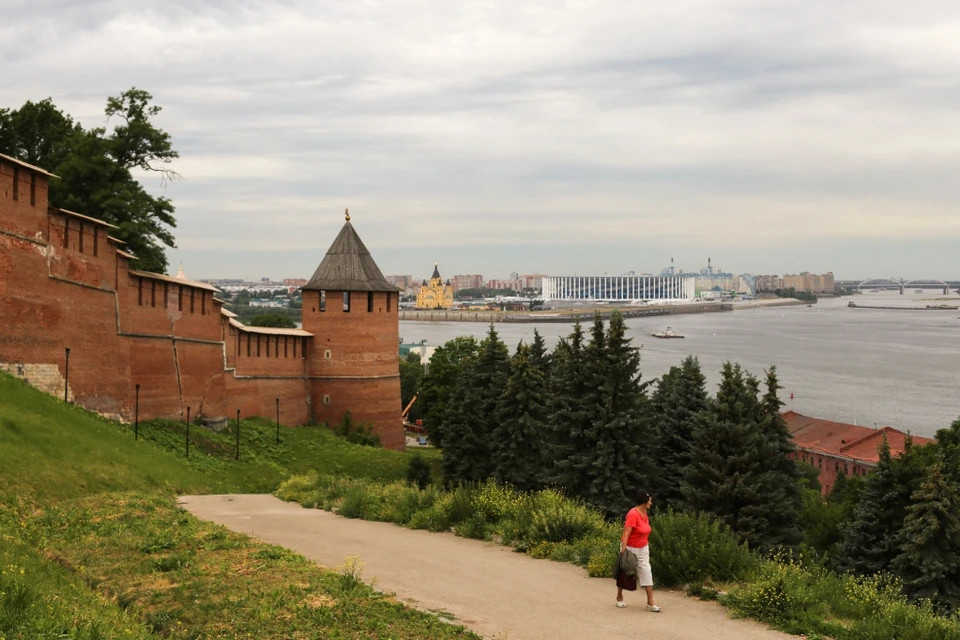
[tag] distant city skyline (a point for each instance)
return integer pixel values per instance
(563, 138)
(612, 261)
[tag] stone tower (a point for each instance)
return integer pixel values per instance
(354, 361)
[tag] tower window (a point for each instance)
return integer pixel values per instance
(323, 301)
(370, 302)
(346, 302)
(389, 298)
(16, 183)
(153, 293)
(33, 189)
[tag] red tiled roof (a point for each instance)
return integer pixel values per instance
(845, 440)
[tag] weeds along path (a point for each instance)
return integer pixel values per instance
(490, 589)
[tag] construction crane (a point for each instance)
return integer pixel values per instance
(409, 426)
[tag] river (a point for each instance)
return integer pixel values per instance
(868, 367)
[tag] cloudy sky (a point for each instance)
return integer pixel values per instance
(536, 136)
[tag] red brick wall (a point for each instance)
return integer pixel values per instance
(63, 284)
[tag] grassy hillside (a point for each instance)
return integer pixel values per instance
(92, 544)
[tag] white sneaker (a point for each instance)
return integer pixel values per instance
(653, 608)
(621, 604)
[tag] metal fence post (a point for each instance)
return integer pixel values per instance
(136, 416)
(66, 374)
(278, 420)
(238, 435)
(188, 431)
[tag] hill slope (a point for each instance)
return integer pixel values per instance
(92, 544)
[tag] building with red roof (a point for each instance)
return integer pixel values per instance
(836, 446)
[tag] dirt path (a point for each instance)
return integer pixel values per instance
(490, 589)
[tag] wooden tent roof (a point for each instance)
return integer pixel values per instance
(348, 266)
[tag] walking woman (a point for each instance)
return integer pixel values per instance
(635, 538)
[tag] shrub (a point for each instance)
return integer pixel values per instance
(418, 473)
(474, 527)
(357, 432)
(555, 518)
(695, 547)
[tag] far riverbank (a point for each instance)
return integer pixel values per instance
(568, 316)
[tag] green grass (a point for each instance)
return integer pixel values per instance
(92, 545)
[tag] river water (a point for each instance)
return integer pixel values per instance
(862, 366)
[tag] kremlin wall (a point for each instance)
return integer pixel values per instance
(67, 284)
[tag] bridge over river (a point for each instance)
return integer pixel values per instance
(901, 285)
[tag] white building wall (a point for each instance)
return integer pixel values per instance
(619, 288)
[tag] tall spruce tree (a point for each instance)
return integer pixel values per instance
(471, 414)
(539, 354)
(929, 558)
(611, 457)
(778, 462)
(680, 397)
(569, 416)
(731, 474)
(518, 438)
(871, 540)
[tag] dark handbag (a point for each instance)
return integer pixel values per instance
(626, 582)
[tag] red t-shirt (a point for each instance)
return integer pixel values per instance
(640, 535)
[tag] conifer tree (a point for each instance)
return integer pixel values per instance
(871, 541)
(733, 473)
(929, 559)
(539, 354)
(786, 472)
(610, 455)
(680, 397)
(518, 440)
(569, 417)
(471, 414)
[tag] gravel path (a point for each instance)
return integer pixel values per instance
(490, 589)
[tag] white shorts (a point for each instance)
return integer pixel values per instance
(644, 572)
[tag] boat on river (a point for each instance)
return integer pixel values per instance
(667, 333)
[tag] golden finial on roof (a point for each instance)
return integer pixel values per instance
(180, 275)
(346, 213)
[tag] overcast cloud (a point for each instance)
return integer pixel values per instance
(550, 136)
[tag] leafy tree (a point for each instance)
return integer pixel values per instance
(440, 384)
(37, 133)
(95, 167)
(735, 471)
(518, 442)
(680, 397)
(411, 376)
(467, 454)
(277, 320)
(822, 519)
(929, 559)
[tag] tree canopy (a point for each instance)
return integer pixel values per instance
(96, 167)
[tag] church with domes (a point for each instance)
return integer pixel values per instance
(436, 294)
